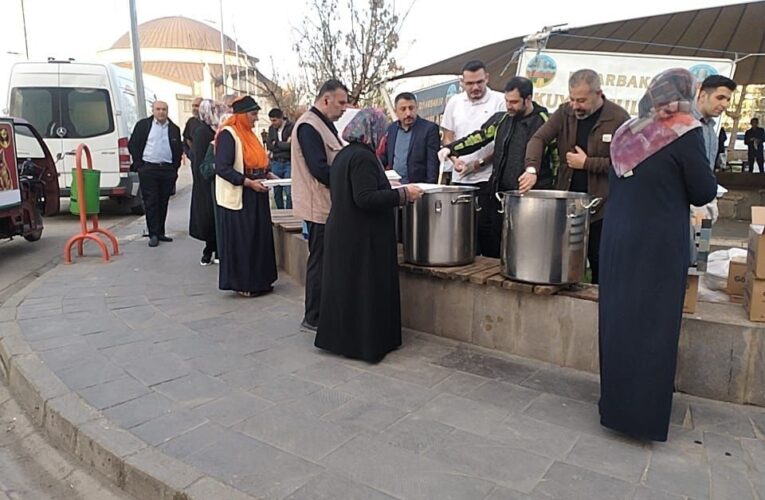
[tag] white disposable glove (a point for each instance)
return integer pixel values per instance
(443, 154)
(708, 211)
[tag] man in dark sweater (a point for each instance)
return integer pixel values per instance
(510, 131)
(155, 149)
(191, 125)
(279, 145)
(315, 143)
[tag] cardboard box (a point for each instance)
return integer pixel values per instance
(755, 260)
(737, 276)
(691, 294)
(754, 298)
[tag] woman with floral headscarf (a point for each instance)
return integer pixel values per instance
(659, 169)
(360, 310)
(202, 217)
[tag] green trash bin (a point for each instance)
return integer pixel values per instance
(92, 181)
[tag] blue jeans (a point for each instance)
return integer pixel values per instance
(282, 194)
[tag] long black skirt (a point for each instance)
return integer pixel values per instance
(246, 245)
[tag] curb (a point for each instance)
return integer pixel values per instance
(73, 425)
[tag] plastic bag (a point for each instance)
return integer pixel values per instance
(718, 266)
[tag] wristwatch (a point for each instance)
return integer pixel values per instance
(531, 170)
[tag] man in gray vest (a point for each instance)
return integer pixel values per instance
(315, 142)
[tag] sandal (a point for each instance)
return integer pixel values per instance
(256, 294)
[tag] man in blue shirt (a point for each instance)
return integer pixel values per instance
(412, 143)
(155, 150)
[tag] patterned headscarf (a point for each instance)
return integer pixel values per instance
(664, 116)
(368, 127)
(210, 112)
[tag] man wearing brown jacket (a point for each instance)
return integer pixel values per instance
(583, 128)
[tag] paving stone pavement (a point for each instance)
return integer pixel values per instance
(235, 389)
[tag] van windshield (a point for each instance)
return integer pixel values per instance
(70, 113)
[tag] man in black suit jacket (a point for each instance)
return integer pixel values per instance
(412, 144)
(155, 147)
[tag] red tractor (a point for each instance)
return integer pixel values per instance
(28, 180)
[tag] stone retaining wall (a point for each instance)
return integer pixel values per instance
(721, 356)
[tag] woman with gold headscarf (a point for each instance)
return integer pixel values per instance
(246, 245)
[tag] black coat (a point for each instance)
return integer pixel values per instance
(137, 142)
(644, 257)
(360, 306)
(201, 219)
(510, 136)
(188, 131)
(422, 159)
(279, 146)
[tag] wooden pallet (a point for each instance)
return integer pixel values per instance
(484, 271)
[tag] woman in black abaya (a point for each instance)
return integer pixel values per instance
(360, 306)
(659, 169)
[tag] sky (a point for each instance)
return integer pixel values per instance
(433, 30)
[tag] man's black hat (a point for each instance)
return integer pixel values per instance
(245, 104)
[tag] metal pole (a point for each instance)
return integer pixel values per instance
(222, 49)
(135, 43)
(238, 67)
(24, 22)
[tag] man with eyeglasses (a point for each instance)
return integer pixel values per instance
(465, 113)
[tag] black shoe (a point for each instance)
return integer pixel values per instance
(308, 326)
(206, 259)
(164, 238)
(153, 241)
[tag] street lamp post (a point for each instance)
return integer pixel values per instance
(135, 42)
(24, 22)
(222, 49)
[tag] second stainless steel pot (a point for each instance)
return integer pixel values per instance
(439, 228)
(544, 235)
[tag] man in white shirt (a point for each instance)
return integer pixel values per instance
(466, 112)
(155, 149)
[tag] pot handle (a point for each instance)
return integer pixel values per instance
(500, 196)
(592, 205)
(463, 198)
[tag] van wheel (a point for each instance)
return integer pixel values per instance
(132, 205)
(37, 233)
(137, 209)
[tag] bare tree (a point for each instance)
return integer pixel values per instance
(354, 45)
(288, 93)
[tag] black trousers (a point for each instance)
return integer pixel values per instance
(593, 250)
(157, 183)
(493, 244)
(313, 273)
(488, 238)
(756, 155)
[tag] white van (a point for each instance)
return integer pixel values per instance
(71, 103)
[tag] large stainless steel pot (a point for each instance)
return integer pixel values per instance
(439, 228)
(544, 235)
